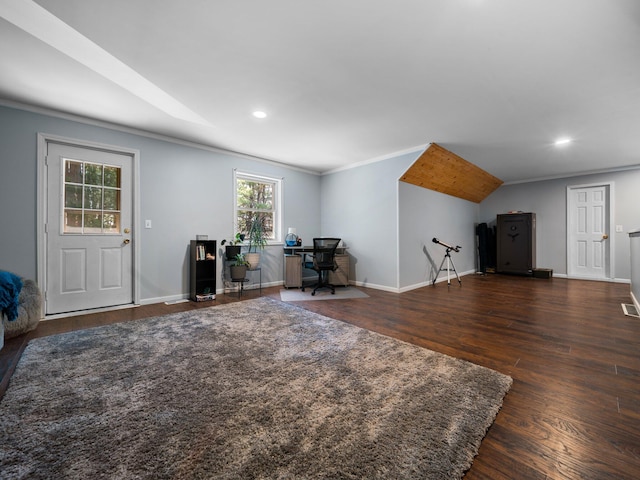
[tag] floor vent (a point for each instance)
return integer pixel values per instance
(630, 310)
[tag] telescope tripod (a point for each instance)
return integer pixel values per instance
(450, 268)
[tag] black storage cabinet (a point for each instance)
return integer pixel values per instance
(203, 269)
(516, 243)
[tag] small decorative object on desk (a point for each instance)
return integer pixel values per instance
(291, 239)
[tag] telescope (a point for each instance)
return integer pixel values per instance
(448, 247)
(447, 258)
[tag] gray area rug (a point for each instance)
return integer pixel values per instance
(297, 295)
(251, 390)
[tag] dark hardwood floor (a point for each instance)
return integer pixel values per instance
(574, 409)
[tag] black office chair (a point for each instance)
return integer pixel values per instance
(323, 262)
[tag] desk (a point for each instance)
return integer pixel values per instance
(293, 266)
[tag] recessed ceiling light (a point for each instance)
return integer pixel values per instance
(259, 114)
(562, 141)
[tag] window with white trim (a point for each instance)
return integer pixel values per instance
(258, 198)
(91, 198)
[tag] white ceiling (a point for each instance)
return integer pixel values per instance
(345, 82)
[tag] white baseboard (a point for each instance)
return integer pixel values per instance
(167, 299)
(94, 310)
(592, 279)
(441, 278)
(636, 303)
(384, 288)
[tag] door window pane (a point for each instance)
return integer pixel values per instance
(72, 221)
(73, 172)
(92, 222)
(111, 199)
(92, 174)
(92, 198)
(111, 176)
(111, 222)
(73, 196)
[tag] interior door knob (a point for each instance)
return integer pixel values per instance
(127, 241)
(605, 236)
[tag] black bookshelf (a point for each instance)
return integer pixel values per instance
(203, 270)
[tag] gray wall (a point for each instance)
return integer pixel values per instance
(184, 191)
(548, 200)
(425, 214)
(360, 205)
(18, 179)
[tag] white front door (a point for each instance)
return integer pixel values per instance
(88, 229)
(588, 244)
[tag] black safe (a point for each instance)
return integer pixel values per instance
(516, 243)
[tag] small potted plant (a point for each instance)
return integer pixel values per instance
(232, 248)
(257, 241)
(238, 270)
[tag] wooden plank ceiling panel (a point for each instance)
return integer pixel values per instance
(445, 172)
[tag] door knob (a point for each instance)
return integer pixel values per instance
(605, 236)
(127, 241)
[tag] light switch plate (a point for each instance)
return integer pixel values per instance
(147, 224)
(619, 228)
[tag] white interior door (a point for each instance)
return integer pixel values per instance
(588, 243)
(88, 229)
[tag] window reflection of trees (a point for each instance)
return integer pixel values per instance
(255, 201)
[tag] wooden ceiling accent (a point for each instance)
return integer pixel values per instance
(445, 172)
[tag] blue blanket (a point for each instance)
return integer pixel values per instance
(10, 286)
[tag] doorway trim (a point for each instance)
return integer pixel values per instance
(41, 209)
(610, 267)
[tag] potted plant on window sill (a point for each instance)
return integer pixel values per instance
(232, 248)
(257, 241)
(238, 270)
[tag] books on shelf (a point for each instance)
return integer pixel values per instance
(201, 253)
